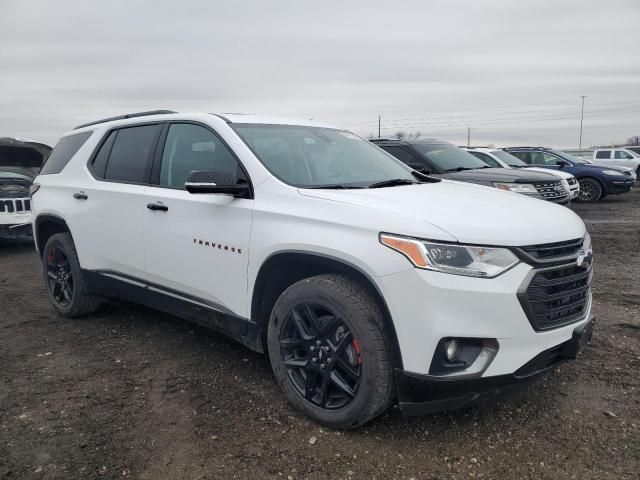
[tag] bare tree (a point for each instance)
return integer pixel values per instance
(635, 140)
(400, 135)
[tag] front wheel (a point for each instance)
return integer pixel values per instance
(329, 351)
(63, 278)
(590, 190)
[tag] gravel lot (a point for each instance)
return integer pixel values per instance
(132, 393)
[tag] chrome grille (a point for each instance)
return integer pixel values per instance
(551, 190)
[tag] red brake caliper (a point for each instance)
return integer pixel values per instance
(357, 347)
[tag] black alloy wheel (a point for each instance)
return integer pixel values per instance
(590, 191)
(59, 276)
(321, 355)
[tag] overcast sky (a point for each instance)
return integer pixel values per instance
(513, 71)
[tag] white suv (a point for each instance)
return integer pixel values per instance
(500, 159)
(365, 281)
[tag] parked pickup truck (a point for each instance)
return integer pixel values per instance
(20, 161)
(621, 157)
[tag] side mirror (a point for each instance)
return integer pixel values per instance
(214, 181)
(562, 163)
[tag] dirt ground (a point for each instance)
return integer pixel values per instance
(133, 393)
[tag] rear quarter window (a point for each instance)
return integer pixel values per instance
(64, 151)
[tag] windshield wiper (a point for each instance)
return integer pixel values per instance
(460, 169)
(392, 183)
(337, 186)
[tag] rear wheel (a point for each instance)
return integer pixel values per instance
(64, 280)
(590, 190)
(329, 351)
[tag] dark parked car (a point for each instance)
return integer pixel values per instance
(596, 182)
(444, 160)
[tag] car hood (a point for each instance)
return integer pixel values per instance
(618, 166)
(24, 154)
(601, 167)
(500, 175)
(557, 173)
(470, 213)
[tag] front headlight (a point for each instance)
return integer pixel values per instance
(516, 187)
(612, 172)
(468, 260)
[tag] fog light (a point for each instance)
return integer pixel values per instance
(463, 356)
(451, 349)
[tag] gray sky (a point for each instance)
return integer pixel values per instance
(511, 70)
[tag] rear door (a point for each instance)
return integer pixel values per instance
(197, 246)
(108, 226)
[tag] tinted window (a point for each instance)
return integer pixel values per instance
(509, 159)
(524, 156)
(63, 152)
(486, 159)
(131, 153)
(619, 154)
(603, 154)
(320, 157)
(448, 157)
(542, 158)
(192, 147)
(404, 156)
(100, 160)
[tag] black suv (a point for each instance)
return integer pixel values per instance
(444, 160)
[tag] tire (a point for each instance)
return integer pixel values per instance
(343, 330)
(64, 280)
(590, 190)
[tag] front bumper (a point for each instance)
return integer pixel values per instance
(425, 394)
(616, 187)
(8, 230)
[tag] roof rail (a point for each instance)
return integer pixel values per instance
(127, 115)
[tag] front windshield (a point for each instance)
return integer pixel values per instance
(570, 158)
(315, 157)
(448, 157)
(509, 159)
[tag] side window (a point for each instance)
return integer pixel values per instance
(548, 159)
(541, 158)
(191, 147)
(488, 159)
(603, 154)
(130, 154)
(622, 155)
(64, 151)
(404, 156)
(100, 160)
(524, 156)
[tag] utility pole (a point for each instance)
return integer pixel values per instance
(581, 119)
(379, 127)
(468, 137)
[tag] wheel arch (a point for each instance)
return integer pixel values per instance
(284, 268)
(45, 226)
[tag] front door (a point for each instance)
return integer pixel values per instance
(197, 245)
